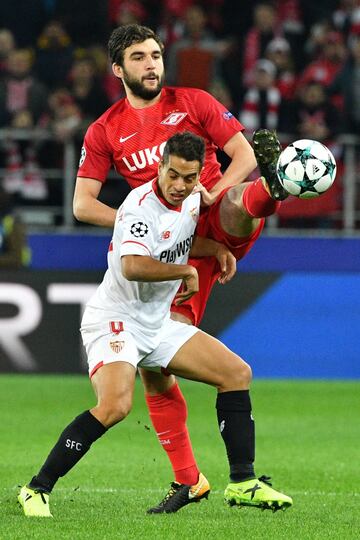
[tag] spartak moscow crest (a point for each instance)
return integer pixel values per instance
(174, 118)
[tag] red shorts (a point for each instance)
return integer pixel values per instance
(208, 268)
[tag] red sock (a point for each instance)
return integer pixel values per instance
(168, 413)
(257, 201)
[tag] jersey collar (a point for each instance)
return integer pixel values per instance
(149, 107)
(161, 198)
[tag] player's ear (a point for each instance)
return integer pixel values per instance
(117, 70)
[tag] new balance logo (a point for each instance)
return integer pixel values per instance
(166, 235)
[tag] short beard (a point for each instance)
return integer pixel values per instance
(139, 90)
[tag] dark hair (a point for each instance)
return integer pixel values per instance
(185, 145)
(122, 37)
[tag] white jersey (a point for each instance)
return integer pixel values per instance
(145, 225)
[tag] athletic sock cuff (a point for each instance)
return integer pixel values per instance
(257, 201)
(241, 471)
(237, 400)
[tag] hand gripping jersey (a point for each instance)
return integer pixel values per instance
(145, 225)
(132, 140)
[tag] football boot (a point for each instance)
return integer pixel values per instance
(267, 150)
(180, 495)
(34, 503)
(256, 492)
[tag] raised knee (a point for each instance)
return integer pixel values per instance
(240, 375)
(234, 219)
(246, 373)
(113, 412)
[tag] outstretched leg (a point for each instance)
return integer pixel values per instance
(218, 366)
(245, 204)
(113, 385)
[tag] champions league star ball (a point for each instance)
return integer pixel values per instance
(306, 169)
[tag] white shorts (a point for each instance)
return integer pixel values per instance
(112, 341)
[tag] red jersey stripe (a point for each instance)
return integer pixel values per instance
(139, 243)
(143, 197)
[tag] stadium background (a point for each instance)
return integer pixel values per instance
(293, 309)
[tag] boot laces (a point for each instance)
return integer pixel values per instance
(265, 479)
(173, 489)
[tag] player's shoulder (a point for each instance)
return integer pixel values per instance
(188, 93)
(112, 112)
(138, 195)
(99, 128)
(192, 202)
(185, 91)
(194, 198)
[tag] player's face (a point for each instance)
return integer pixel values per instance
(177, 179)
(143, 69)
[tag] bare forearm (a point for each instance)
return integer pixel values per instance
(242, 163)
(237, 171)
(204, 247)
(86, 206)
(143, 268)
(95, 212)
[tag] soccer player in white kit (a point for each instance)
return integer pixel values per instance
(130, 136)
(127, 324)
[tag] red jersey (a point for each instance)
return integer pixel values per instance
(132, 140)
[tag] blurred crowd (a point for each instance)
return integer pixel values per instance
(289, 65)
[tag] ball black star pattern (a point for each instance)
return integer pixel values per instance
(303, 155)
(139, 229)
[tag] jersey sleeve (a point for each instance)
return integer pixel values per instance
(219, 123)
(96, 158)
(134, 231)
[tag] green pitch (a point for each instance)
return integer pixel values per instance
(308, 440)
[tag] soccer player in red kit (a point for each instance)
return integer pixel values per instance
(130, 136)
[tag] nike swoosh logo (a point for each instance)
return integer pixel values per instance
(123, 139)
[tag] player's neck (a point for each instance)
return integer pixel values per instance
(139, 103)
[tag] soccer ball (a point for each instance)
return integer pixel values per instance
(306, 168)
